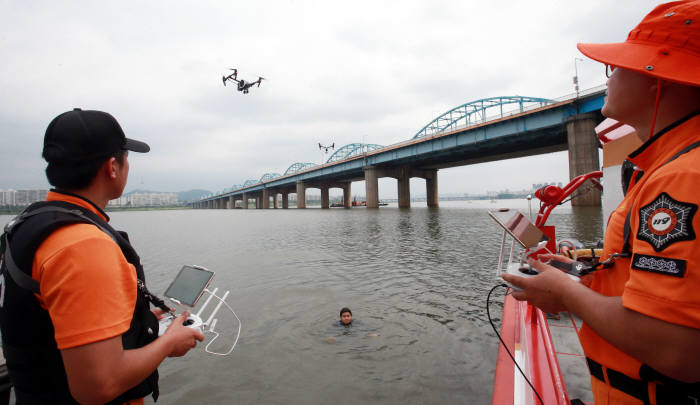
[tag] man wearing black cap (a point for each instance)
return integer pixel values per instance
(74, 309)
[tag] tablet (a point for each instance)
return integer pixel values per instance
(521, 229)
(189, 285)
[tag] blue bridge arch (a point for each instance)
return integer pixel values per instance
(352, 149)
(475, 111)
(298, 166)
(268, 176)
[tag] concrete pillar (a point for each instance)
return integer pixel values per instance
(325, 199)
(583, 154)
(285, 200)
(404, 186)
(265, 198)
(301, 195)
(431, 188)
(258, 202)
(244, 203)
(371, 187)
(276, 200)
(347, 197)
(231, 203)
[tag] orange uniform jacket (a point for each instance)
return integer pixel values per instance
(662, 277)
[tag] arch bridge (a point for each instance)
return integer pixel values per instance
(474, 132)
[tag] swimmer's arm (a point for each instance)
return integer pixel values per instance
(99, 372)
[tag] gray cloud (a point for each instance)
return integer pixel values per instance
(336, 72)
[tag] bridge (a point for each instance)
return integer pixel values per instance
(475, 132)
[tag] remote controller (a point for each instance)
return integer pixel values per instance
(524, 270)
(192, 321)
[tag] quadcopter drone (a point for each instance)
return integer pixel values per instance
(241, 84)
(326, 148)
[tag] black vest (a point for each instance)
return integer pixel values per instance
(34, 362)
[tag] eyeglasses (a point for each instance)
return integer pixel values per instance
(608, 70)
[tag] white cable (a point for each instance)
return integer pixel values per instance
(206, 348)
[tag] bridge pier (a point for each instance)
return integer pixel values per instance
(276, 200)
(431, 187)
(371, 187)
(244, 203)
(347, 197)
(325, 198)
(285, 200)
(583, 154)
(301, 195)
(258, 202)
(404, 186)
(265, 198)
(231, 203)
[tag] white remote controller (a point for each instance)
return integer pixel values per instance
(192, 321)
(524, 270)
(520, 270)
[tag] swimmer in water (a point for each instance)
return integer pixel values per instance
(346, 316)
(346, 321)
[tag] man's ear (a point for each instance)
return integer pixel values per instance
(111, 168)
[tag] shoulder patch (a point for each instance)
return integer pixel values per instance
(666, 221)
(661, 265)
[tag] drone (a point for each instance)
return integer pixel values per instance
(241, 84)
(326, 148)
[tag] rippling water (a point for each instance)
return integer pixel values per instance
(416, 277)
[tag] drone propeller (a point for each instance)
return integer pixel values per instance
(223, 79)
(260, 79)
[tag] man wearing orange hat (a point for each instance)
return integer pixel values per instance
(641, 315)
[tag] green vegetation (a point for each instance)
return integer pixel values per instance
(10, 209)
(153, 208)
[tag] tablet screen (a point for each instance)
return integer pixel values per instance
(189, 285)
(521, 229)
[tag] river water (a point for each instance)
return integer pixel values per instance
(416, 278)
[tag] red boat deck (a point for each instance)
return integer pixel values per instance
(549, 353)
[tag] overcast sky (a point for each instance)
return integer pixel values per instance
(337, 72)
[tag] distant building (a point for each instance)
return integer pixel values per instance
(15, 198)
(8, 197)
(145, 200)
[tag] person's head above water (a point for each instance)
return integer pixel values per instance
(345, 316)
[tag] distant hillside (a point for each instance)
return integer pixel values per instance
(192, 195)
(182, 196)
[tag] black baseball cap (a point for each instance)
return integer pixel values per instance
(86, 135)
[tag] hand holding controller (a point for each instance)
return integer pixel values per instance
(519, 270)
(192, 321)
(526, 271)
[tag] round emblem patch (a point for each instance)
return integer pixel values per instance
(662, 221)
(666, 221)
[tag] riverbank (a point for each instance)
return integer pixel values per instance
(14, 210)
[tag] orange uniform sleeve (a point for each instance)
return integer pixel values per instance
(664, 278)
(86, 284)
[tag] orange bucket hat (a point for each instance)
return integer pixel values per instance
(665, 45)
